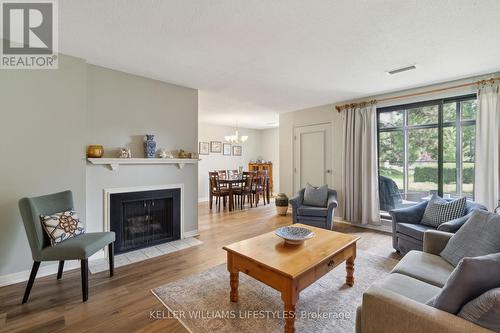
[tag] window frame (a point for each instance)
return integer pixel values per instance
(440, 125)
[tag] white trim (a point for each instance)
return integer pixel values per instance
(108, 191)
(114, 163)
(203, 199)
(192, 233)
(382, 228)
(44, 270)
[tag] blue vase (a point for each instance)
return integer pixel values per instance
(150, 146)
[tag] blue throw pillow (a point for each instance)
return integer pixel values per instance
(471, 278)
(315, 196)
(479, 236)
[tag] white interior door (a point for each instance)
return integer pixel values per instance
(312, 155)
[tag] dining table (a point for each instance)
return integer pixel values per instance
(236, 180)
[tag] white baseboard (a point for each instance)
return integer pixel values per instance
(44, 270)
(192, 233)
(202, 199)
(382, 228)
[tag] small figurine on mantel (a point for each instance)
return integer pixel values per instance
(163, 153)
(125, 153)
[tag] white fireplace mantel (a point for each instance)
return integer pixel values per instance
(114, 163)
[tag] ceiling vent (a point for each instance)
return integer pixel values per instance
(401, 70)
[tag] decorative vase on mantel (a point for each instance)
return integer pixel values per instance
(149, 146)
(281, 202)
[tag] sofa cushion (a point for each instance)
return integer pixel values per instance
(439, 211)
(79, 247)
(484, 310)
(425, 267)
(471, 278)
(312, 211)
(315, 196)
(479, 236)
(414, 230)
(409, 287)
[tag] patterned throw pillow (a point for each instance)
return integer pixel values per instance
(61, 226)
(484, 310)
(439, 211)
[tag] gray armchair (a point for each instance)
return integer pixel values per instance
(321, 217)
(80, 247)
(408, 232)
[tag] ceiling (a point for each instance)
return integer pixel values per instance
(252, 59)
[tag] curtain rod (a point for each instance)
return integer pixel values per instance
(339, 108)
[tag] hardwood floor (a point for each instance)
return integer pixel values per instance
(123, 303)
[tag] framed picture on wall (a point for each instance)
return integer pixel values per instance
(236, 150)
(204, 148)
(215, 147)
(226, 149)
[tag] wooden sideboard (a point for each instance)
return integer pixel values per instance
(263, 166)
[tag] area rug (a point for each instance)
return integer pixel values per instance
(201, 302)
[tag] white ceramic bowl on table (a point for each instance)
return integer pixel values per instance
(294, 235)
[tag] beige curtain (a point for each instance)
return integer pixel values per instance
(360, 182)
(487, 168)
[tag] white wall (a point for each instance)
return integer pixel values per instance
(48, 117)
(327, 113)
(270, 151)
(310, 116)
(122, 108)
(42, 122)
(251, 150)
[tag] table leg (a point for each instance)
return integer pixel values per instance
(230, 189)
(290, 296)
(234, 281)
(349, 266)
(233, 278)
(268, 191)
(210, 197)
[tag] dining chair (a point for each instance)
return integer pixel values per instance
(222, 175)
(232, 173)
(266, 195)
(258, 188)
(80, 247)
(216, 190)
(245, 189)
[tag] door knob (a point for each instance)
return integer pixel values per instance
(328, 171)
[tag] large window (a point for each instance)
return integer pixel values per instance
(426, 148)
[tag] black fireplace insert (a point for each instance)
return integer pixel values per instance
(146, 218)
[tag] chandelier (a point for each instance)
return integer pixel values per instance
(236, 138)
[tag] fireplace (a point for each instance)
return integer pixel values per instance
(145, 218)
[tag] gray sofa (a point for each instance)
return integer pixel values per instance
(408, 232)
(321, 217)
(397, 302)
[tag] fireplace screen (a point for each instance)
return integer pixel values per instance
(143, 219)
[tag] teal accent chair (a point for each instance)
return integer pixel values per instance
(80, 247)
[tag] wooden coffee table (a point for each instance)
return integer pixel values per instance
(290, 269)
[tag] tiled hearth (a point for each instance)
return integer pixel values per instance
(99, 265)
